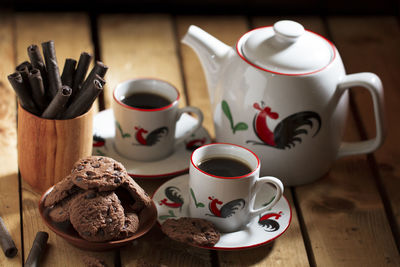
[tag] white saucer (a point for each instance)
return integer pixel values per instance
(175, 164)
(257, 232)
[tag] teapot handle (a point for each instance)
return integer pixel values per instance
(373, 84)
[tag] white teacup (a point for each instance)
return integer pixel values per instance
(228, 202)
(148, 134)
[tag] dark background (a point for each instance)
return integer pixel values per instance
(254, 7)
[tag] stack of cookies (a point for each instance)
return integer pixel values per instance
(99, 198)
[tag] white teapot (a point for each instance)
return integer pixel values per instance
(282, 91)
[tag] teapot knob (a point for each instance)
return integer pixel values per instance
(288, 31)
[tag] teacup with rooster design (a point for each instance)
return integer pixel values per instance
(226, 201)
(146, 132)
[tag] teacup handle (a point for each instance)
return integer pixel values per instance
(195, 128)
(256, 189)
(371, 82)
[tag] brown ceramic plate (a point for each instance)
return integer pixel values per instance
(147, 219)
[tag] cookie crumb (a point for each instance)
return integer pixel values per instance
(93, 262)
(192, 231)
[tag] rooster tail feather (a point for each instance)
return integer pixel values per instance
(229, 208)
(287, 131)
(174, 194)
(155, 135)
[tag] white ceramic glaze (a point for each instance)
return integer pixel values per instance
(172, 202)
(287, 109)
(175, 164)
(230, 200)
(149, 134)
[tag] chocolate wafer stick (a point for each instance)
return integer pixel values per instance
(67, 77)
(35, 56)
(38, 247)
(23, 65)
(6, 242)
(57, 105)
(81, 70)
(99, 69)
(37, 62)
(22, 92)
(24, 69)
(38, 93)
(53, 73)
(88, 95)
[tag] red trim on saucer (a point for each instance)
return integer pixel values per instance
(283, 73)
(255, 245)
(222, 177)
(164, 175)
(142, 109)
(233, 248)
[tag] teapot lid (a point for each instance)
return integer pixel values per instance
(286, 48)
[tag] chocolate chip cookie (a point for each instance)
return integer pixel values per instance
(97, 216)
(60, 211)
(61, 190)
(141, 198)
(192, 231)
(98, 172)
(130, 227)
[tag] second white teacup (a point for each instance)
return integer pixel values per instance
(224, 182)
(146, 112)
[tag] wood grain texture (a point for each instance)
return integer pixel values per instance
(49, 148)
(372, 44)
(9, 194)
(226, 29)
(71, 34)
(289, 249)
(139, 46)
(343, 213)
(136, 46)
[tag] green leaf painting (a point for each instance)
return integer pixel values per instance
(171, 214)
(266, 204)
(99, 152)
(241, 126)
(198, 204)
(124, 135)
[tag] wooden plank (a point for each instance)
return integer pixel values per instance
(9, 192)
(289, 249)
(343, 213)
(71, 33)
(136, 46)
(372, 44)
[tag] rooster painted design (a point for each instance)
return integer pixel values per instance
(226, 210)
(267, 223)
(286, 133)
(173, 194)
(152, 138)
(196, 143)
(98, 141)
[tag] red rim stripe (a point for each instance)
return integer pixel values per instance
(283, 73)
(142, 109)
(222, 177)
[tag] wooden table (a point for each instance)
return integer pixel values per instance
(350, 217)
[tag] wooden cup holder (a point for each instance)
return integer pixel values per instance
(47, 149)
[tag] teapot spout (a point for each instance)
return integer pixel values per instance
(211, 52)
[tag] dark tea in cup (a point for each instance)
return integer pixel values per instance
(224, 166)
(144, 100)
